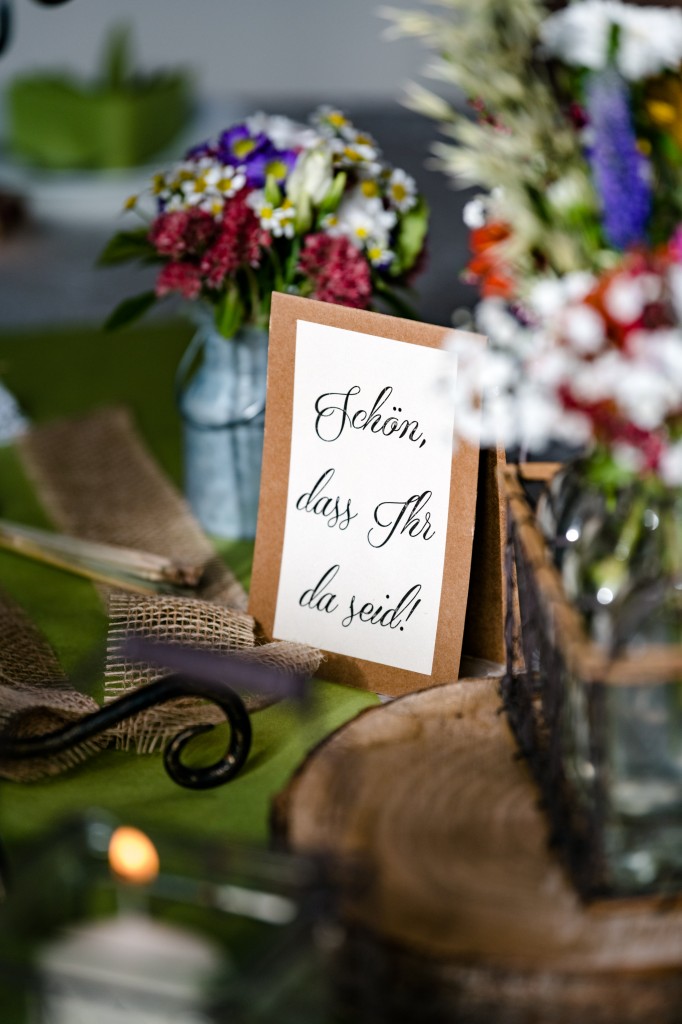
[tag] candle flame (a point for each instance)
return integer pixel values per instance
(133, 856)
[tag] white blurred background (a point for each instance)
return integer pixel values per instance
(258, 49)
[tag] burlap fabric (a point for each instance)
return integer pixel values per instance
(97, 481)
(35, 696)
(192, 623)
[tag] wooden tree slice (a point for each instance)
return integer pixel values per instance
(427, 789)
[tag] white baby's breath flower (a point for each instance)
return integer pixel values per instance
(624, 299)
(547, 297)
(649, 38)
(474, 213)
(675, 282)
(628, 457)
(584, 328)
(671, 465)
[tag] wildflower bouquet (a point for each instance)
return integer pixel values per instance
(275, 205)
(576, 134)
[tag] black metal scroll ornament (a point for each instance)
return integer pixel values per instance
(168, 688)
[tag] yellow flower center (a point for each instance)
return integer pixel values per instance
(374, 252)
(158, 183)
(242, 147)
(225, 184)
(370, 189)
(266, 212)
(351, 154)
(662, 113)
(336, 119)
(361, 232)
(277, 168)
(399, 192)
(131, 201)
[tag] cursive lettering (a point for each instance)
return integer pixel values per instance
(407, 516)
(319, 504)
(377, 615)
(335, 413)
(319, 599)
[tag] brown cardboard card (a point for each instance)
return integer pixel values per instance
(366, 516)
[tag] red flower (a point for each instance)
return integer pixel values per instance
(486, 268)
(238, 243)
(338, 271)
(179, 277)
(181, 232)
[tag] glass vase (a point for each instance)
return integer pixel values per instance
(622, 741)
(222, 403)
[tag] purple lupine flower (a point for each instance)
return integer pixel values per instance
(620, 171)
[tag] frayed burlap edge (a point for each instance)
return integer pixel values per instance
(35, 697)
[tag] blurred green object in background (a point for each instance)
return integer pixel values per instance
(119, 120)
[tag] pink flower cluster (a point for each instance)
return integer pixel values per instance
(338, 271)
(202, 251)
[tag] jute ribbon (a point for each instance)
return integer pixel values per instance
(97, 481)
(35, 696)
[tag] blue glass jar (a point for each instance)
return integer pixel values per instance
(222, 403)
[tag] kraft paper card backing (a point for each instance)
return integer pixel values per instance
(470, 619)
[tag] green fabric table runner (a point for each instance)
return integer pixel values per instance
(70, 372)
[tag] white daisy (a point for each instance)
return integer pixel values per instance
(401, 191)
(378, 255)
(278, 220)
(363, 220)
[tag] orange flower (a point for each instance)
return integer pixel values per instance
(487, 269)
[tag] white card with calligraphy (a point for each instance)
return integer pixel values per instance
(368, 497)
(366, 516)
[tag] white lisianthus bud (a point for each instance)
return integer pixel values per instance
(311, 177)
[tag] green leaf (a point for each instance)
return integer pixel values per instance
(399, 305)
(129, 310)
(273, 192)
(229, 314)
(127, 245)
(117, 58)
(334, 195)
(304, 214)
(412, 230)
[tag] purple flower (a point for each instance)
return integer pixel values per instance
(239, 146)
(620, 171)
(270, 161)
(202, 149)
